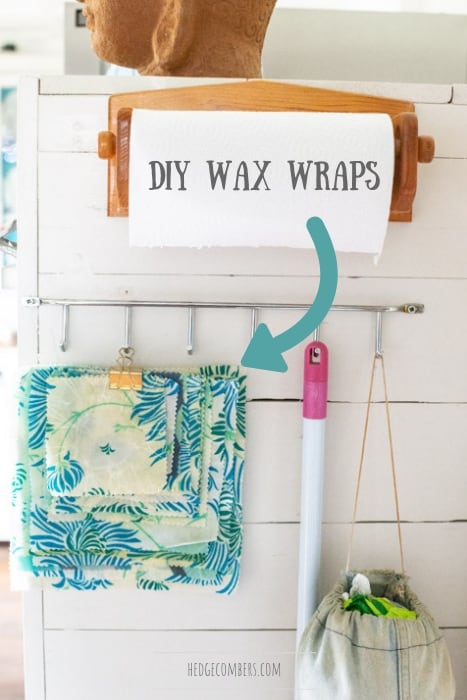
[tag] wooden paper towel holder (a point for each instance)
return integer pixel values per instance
(264, 96)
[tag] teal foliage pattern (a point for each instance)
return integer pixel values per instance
(73, 531)
(65, 476)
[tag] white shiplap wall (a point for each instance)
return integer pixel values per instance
(112, 644)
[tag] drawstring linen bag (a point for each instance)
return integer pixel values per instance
(347, 655)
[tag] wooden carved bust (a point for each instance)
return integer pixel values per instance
(218, 38)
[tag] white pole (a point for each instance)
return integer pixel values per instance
(314, 420)
(310, 521)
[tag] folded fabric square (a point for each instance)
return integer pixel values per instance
(108, 462)
(184, 498)
(111, 464)
(111, 529)
(83, 405)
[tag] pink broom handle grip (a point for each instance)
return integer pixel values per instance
(315, 381)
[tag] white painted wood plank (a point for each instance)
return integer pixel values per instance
(217, 288)
(430, 447)
(410, 250)
(27, 215)
(273, 459)
(430, 444)
(457, 643)
(117, 665)
(186, 288)
(269, 562)
(428, 93)
(95, 243)
(9, 277)
(106, 656)
(33, 646)
(435, 556)
(459, 96)
(439, 201)
(159, 337)
(205, 694)
(28, 340)
(98, 85)
(266, 599)
(447, 124)
(72, 122)
(417, 369)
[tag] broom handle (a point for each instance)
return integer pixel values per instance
(314, 420)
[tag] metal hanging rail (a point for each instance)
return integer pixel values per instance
(410, 308)
(191, 306)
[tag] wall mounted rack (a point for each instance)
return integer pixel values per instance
(255, 307)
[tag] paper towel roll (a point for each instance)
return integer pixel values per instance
(254, 178)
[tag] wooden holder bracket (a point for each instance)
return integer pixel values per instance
(265, 96)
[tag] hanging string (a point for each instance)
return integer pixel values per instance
(393, 466)
(362, 459)
(360, 466)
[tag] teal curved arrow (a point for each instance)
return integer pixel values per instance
(264, 350)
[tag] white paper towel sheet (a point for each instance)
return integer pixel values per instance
(255, 178)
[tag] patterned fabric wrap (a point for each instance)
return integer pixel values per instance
(135, 488)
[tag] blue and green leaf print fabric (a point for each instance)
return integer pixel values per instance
(108, 460)
(129, 488)
(180, 495)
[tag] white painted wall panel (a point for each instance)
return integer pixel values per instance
(460, 94)
(72, 124)
(83, 254)
(446, 123)
(159, 336)
(95, 243)
(105, 656)
(160, 665)
(33, 646)
(430, 448)
(436, 561)
(27, 214)
(266, 598)
(269, 564)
